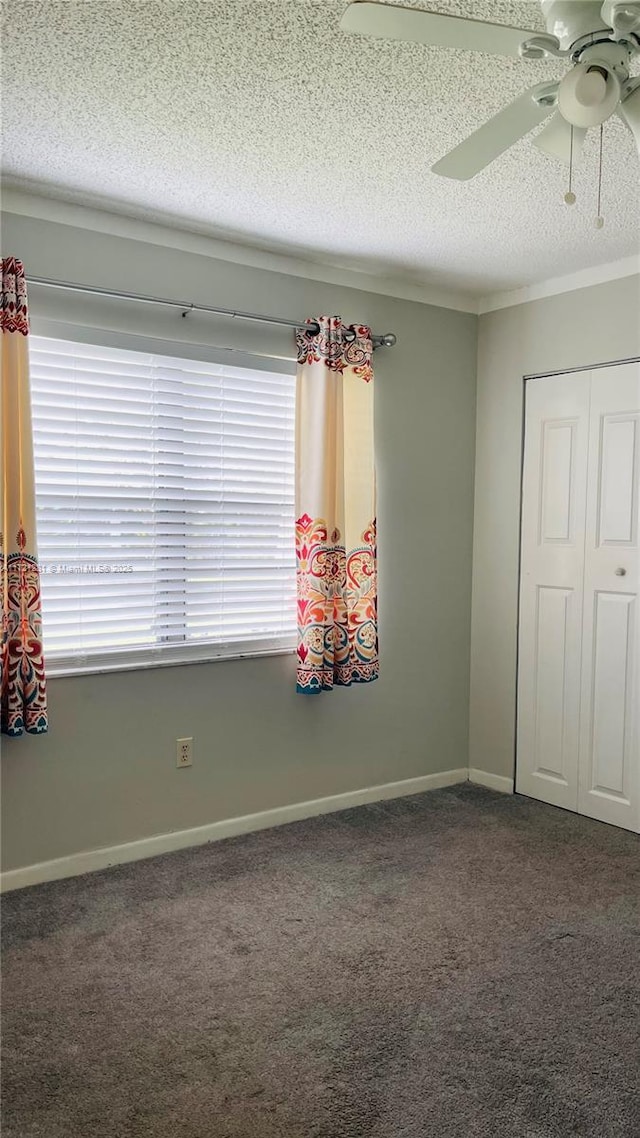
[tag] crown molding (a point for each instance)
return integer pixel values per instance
(171, 233)
(584, 278)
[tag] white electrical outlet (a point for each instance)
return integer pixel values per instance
(184, 756)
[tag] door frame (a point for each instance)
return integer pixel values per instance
(525, 380)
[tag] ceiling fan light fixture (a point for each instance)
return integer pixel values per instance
(588, 95)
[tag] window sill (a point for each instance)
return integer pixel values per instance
(133, 661)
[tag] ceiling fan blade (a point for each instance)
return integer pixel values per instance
(392, 22)
(555, 139)
(629, 112)
(495, 136)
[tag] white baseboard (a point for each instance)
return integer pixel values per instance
(90, 860)
(491, 781)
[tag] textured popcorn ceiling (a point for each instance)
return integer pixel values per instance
(261, 120)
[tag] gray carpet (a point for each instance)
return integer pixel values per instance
(453, 965)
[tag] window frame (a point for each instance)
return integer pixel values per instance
(184, 652)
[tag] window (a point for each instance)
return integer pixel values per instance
(165, 498)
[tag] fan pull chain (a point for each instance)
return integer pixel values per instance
(600, 218)
(570, 197)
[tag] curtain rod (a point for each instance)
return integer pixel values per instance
(384, 341)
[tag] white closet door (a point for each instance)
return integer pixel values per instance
(552, 571)
(609, 781)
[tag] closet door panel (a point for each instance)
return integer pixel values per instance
(552, 550)
(609, 765)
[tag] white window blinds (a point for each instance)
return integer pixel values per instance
(165, 498)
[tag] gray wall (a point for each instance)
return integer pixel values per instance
(106, 773)
(589, 326)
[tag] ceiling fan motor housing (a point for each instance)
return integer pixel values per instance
(570, 20)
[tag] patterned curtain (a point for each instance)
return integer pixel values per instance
(23, 696)
(335, 508)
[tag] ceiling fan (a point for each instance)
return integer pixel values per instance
(598, 40)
